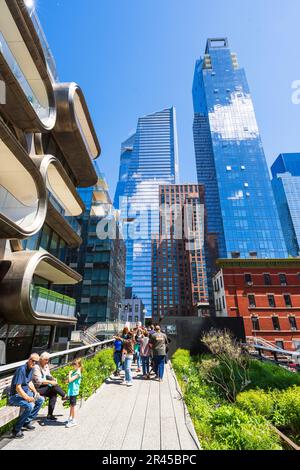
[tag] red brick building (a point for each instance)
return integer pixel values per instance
(266, 293)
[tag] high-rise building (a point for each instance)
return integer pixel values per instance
(150, 159)
(47, 145)
(286, 188)
(178, 258)
(100, 259)
(230, 160)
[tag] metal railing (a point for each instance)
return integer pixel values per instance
(62, 358)
(51, 302)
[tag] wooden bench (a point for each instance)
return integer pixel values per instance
(7, 413)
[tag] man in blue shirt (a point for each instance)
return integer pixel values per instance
(23, 394)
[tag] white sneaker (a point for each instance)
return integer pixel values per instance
(71, 424)
(129, 384)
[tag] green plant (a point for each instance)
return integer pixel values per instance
(228, 369)
(3, 402)
(287, 409)
(257, 401)
(268, 376)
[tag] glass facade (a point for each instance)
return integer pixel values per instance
(286, 188)
(230, 159)
(152, 160)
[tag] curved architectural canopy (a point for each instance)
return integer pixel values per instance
(23, 197)
(75, 133)
(60, 185)
(23, 302)
(30, 100)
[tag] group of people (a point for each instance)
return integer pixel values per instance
(148, 347)
(33, 382)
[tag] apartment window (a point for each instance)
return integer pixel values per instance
(255, 323)
(271, 300)
(267, 280)
(252, 301)
(282, 279)
(288, 300)
(280, 344)
(248, 279)
(293, 323)
(276, 324)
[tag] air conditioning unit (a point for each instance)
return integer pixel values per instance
(250, 283)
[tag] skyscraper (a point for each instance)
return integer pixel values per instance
(179, 268)
(230, 159)
(151, 159)
(286, 188)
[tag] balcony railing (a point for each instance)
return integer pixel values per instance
(72, 221)
(43, 113)
(50, 302)
(15, 210)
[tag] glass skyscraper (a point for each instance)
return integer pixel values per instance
(148, 159)
(286, 187)
(230, 159)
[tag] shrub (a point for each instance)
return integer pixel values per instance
(268, 376)
(257, 401)
(287, 409)
(182, 361)
(227, 371)
(236, 430)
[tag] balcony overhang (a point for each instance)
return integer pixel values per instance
(16, 277)
(74, 132)
(62, 228)
(23, 197)
(59, 184)
(30, 99)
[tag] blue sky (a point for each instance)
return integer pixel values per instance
(136, 57)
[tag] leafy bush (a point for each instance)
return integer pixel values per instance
(257, 401)
(182, 361)
(287, 409)
(236, 430)
(3, 402)
(268, 376)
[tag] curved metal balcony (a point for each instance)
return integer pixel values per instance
(22, 302)
(23, 197)
(75, 133)
(30, 99)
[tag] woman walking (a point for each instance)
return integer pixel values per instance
(128, 351)
(159, 342)
(145, 355)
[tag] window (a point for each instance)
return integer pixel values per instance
(248, 279)
(282, 279)
(255, 323)
(280, 344)
(271, 300)
(267, 280)
(252, 301)
(288, 300)
(276, 324)
(293, 323)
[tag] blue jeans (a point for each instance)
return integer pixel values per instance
(118, 360)
(159, 365)
(127, 365)
(138, 358)
(146, 364)
(30, 410)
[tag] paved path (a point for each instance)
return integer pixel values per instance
(148, 416)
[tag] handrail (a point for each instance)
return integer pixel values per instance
(14, 366)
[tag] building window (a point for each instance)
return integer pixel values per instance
(267, 280)
(282, 279)
(288, 300)
(252, 301)
(276, 324)
(255, 324)
(280, 344)
(271, 300)
(248, 279)
(293, 323)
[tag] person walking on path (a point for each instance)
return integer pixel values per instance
(74, 381)
(159, 342)
(24, 394)
(128, 351)
(118, 346)
(47, 385)
(145, 355)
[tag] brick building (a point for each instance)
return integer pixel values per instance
(266, 293)
(179, 280)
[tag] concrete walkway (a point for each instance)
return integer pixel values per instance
(148, 416)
